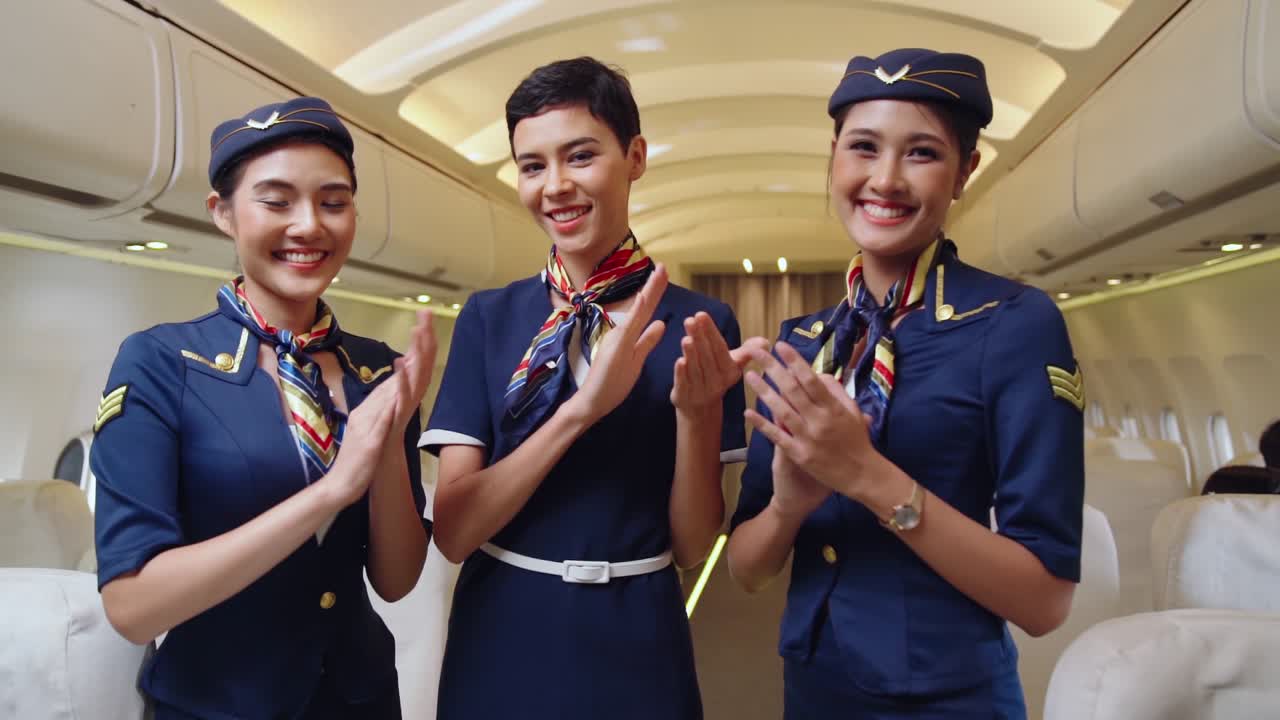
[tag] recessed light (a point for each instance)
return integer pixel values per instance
(157, 245)
(643, 44)
(456, 306)
(1114, 281)
(746, 265)
(1255, 246)
(135, 247)
(782, 264)
(424, 299)
(1064, 296)
(1232, 247)
(656, 150)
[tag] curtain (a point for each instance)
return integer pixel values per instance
(762, 302)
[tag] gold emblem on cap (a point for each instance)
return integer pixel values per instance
(888, 79)
(275, 118)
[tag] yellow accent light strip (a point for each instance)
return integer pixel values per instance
(29, 242)
(707, 568)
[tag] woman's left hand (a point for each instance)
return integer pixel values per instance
(707, 368)
(416, 366)
(815, 422)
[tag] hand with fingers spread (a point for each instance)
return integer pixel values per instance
(815, 423)
(617, 362)
(707, 368)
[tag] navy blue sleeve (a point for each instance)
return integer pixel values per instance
(134, 458)
(462, 411)
(1034, 394)
(733, 434)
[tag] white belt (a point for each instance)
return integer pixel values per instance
(589, 572)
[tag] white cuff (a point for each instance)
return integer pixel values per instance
(733, 456)
(439, 438)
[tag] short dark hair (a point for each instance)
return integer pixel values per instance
(228, 179)
(1269, 445)
(963, 124)
(603, 89)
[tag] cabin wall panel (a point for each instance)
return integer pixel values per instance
(1203, 347)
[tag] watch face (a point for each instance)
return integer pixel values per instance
(906, 517)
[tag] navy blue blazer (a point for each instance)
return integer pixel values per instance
(985, 413)
(192, 442)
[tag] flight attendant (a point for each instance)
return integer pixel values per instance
(580, 426)
(253, 463)
(892, 425)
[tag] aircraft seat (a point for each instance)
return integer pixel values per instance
(1096, 599)
(1218, 551)
(45, 523)
(1250, 458)
(1131, 483)
(59, 657)
(1198, 664)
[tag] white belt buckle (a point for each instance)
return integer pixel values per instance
(585, 572)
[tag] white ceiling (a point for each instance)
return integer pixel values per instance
(732, 92)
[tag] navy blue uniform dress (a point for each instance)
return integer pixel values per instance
(199, 446)
(978, 418)
(528, 645)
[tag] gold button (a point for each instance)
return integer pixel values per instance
(327, 600)
(365, 373)
(945, 312)
(224, 361)
(816, 327)
(829, 554)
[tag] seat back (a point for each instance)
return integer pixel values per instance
(1218, 551)
(1250, 458)
(45, 523)
(59, 657)
(1096, 599)
(1171, 665)
(1131, 485)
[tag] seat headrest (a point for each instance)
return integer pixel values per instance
(44, 523)
(1173, 665)
(1218, 551)
(60, 658)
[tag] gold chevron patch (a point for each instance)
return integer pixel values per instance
(110, 407)
(1067, 386)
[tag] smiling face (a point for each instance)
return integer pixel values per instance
(293, 219)
(575, 178)
(895, 168)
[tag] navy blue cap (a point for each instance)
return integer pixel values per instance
(272, 123)
(916, 74)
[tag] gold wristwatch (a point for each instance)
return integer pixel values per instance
(907, 515)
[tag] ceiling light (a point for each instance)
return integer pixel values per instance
(424, 299)
(1064, 296)
(1114, 281)
(656, 150)
(135, 247)
(643, 44)
(778, 187)
(1232, 247)
(456, 306)
(782, 264)
(1255, 246)
(746, 265)
(157, 245)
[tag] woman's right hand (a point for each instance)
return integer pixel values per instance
(368, 428)
(616, 364)
(795, 493)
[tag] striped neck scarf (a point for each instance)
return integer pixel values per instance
(543, 374)
(317, 425)
(859, 314)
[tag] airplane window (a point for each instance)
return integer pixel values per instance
(1169, 426)
(1129, 427)
(70, 465)
(1097, 418)
(1220, 440)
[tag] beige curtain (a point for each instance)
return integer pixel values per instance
(762, 302)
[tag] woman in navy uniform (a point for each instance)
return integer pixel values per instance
(226, 514)
(577, 459)
(892, 425)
